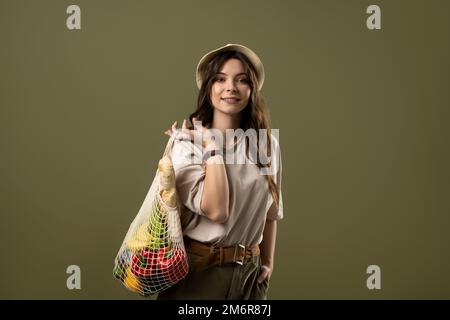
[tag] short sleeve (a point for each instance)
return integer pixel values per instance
(276, 212)
(189, 174)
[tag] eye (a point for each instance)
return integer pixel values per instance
(220, 79)
(243, 80)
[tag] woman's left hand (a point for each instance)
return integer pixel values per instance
(266, 272)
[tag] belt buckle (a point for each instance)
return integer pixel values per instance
(239, 246)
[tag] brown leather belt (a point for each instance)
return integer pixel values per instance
(218, 256)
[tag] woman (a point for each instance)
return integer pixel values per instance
(230, 210)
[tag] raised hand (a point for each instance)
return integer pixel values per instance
(196, 134)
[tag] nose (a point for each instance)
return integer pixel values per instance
(230, 86)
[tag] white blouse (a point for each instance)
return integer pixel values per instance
(250, 198)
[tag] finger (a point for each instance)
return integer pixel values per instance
(174, 126)
(196, 123)
(184, 124)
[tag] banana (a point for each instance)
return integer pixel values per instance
(131, 282)
(141, 239)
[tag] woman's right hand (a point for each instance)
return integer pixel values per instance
(182, 134)
(195, 135)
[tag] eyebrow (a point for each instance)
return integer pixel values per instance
(239, 74)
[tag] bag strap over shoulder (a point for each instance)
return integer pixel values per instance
(169, 145)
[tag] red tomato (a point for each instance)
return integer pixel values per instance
(173, 264)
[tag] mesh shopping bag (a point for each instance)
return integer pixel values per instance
(152, 257)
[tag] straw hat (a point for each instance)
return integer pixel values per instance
(252, 56)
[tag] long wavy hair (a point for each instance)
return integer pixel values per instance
(254, 116)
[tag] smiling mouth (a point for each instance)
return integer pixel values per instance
(231, 100)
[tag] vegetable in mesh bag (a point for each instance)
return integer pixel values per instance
(153, 257)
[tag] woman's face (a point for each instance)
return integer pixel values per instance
(231, 90)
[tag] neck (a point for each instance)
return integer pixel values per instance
(222, 122)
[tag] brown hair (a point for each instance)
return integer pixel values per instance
(254, 115)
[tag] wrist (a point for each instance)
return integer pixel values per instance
(268, 269)
(267, 265)
(213, 156)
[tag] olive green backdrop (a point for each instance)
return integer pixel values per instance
(364, 130)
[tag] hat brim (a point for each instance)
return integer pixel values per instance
(250, 54)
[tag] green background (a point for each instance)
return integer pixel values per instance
(364, 131)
